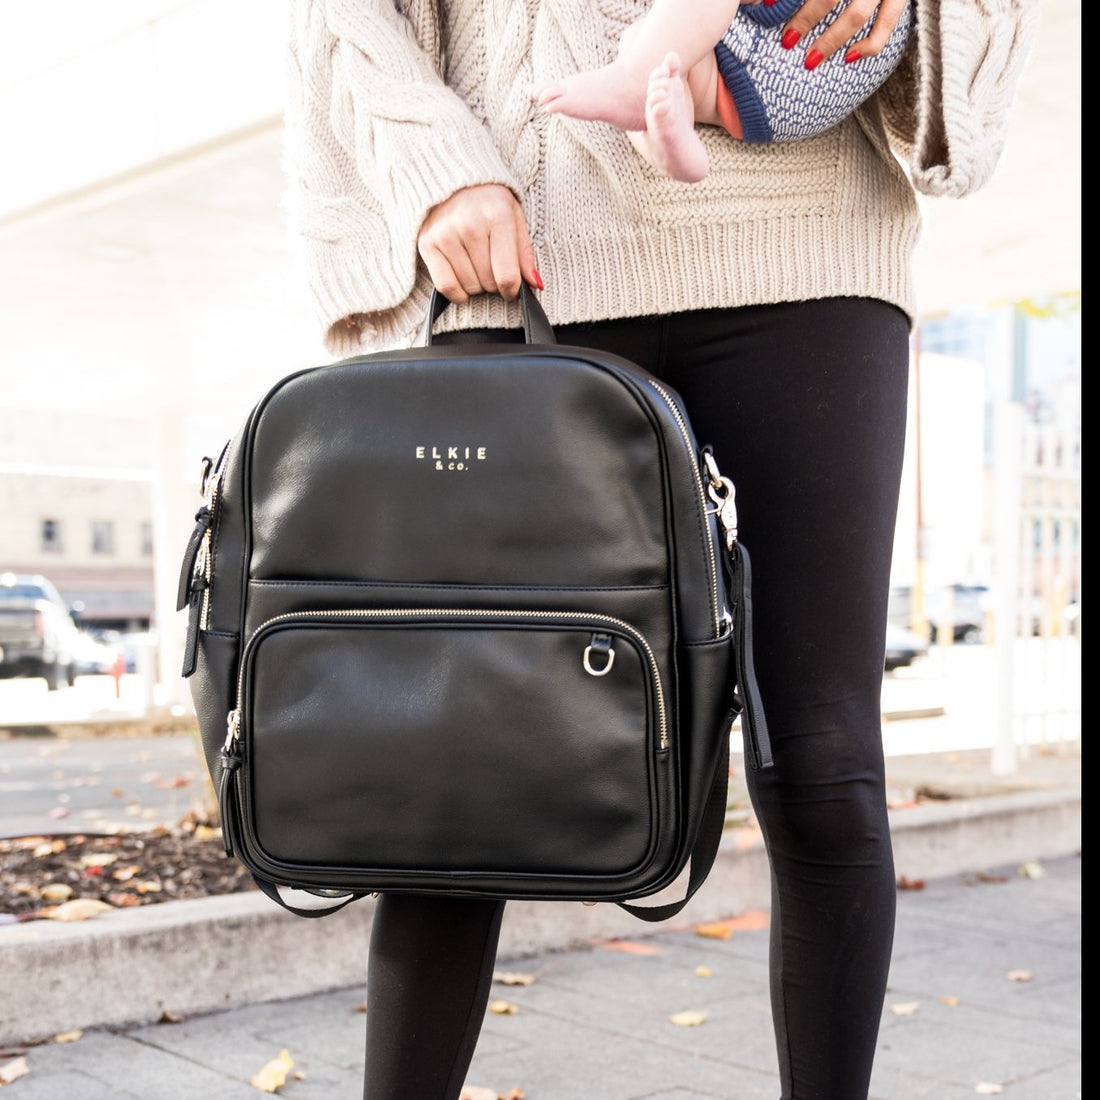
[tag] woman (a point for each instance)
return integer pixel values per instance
(775, 296)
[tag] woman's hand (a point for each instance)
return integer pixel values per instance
(848, 24)
(477, 241)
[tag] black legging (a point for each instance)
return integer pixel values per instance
(805, 407)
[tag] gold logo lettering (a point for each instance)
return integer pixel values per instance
(451, 456)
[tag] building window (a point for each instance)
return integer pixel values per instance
(51, 536)
(147, 540)
(103, 536)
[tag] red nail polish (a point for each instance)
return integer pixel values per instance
(538, 280)
(790, 38)
(852, 55)
(768, 3)
(813, 59)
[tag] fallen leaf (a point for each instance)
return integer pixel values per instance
(167, 1017)
(704, 972)
(905, 1008)
(688, 1019)
(513, 1094)
(503, 1008)
(1019, 975)
(361, 1007)
(171, 784)
(122, 900)
(77, 909)
(57, 891)
(986, 876)
(715, 930)
(988, 1088)
(117, 792)
(478, 1092)
(510, 977)
(1032, 869)
(58, 812)
(124, 874)
(11, 1071)
(272, 1076)
(905, 883)
(950, 1001)
(752, 920)
(97, 859)
(50, 848)
(298, 1075)
(67, 1036)
(630, 947)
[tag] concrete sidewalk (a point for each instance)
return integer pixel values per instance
(949, 816)
(984, 995)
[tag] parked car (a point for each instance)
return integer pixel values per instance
(964, 606)
(903, 647)
(93, 656)
(38, 634)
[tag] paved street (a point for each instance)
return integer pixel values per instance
(57, 785)
(984, 999)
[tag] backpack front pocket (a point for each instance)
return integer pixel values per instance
(483, 743)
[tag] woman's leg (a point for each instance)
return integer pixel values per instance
(428, 979)
(808, 419)
(805, 407)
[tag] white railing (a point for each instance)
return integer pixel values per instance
(1037, 632)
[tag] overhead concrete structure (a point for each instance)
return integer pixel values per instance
(145, 268)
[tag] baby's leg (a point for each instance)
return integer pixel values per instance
(669, 141)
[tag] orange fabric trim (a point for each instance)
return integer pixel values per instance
(727, 110)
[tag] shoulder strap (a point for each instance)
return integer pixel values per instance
(704, 852)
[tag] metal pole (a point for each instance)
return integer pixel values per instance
(1006, 526)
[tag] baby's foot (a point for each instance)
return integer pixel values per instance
(669, 141)
(612, 94)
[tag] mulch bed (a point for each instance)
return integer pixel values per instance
(40, 874)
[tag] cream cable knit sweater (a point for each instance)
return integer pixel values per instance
(393, 105)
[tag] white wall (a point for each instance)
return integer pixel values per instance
(90, 91)
(952, 482)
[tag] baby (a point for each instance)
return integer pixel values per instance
(669, 75)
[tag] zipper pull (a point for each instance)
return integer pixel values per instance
(192, 566)
(230, 758)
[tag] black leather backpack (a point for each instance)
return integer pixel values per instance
(473, 620)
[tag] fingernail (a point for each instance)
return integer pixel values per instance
(790, 38)
(852, 55)
(768, 3)
(813, 59)
(538, 279)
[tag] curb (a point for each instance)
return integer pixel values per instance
(191, 957)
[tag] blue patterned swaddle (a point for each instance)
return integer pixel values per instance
(776, 96)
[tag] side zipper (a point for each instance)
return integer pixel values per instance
(720, 615)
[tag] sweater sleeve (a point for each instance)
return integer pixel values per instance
(946, 106)
(374, 140)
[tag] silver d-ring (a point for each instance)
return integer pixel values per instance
(588, 664)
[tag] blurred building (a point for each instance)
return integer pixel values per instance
(86, 525)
